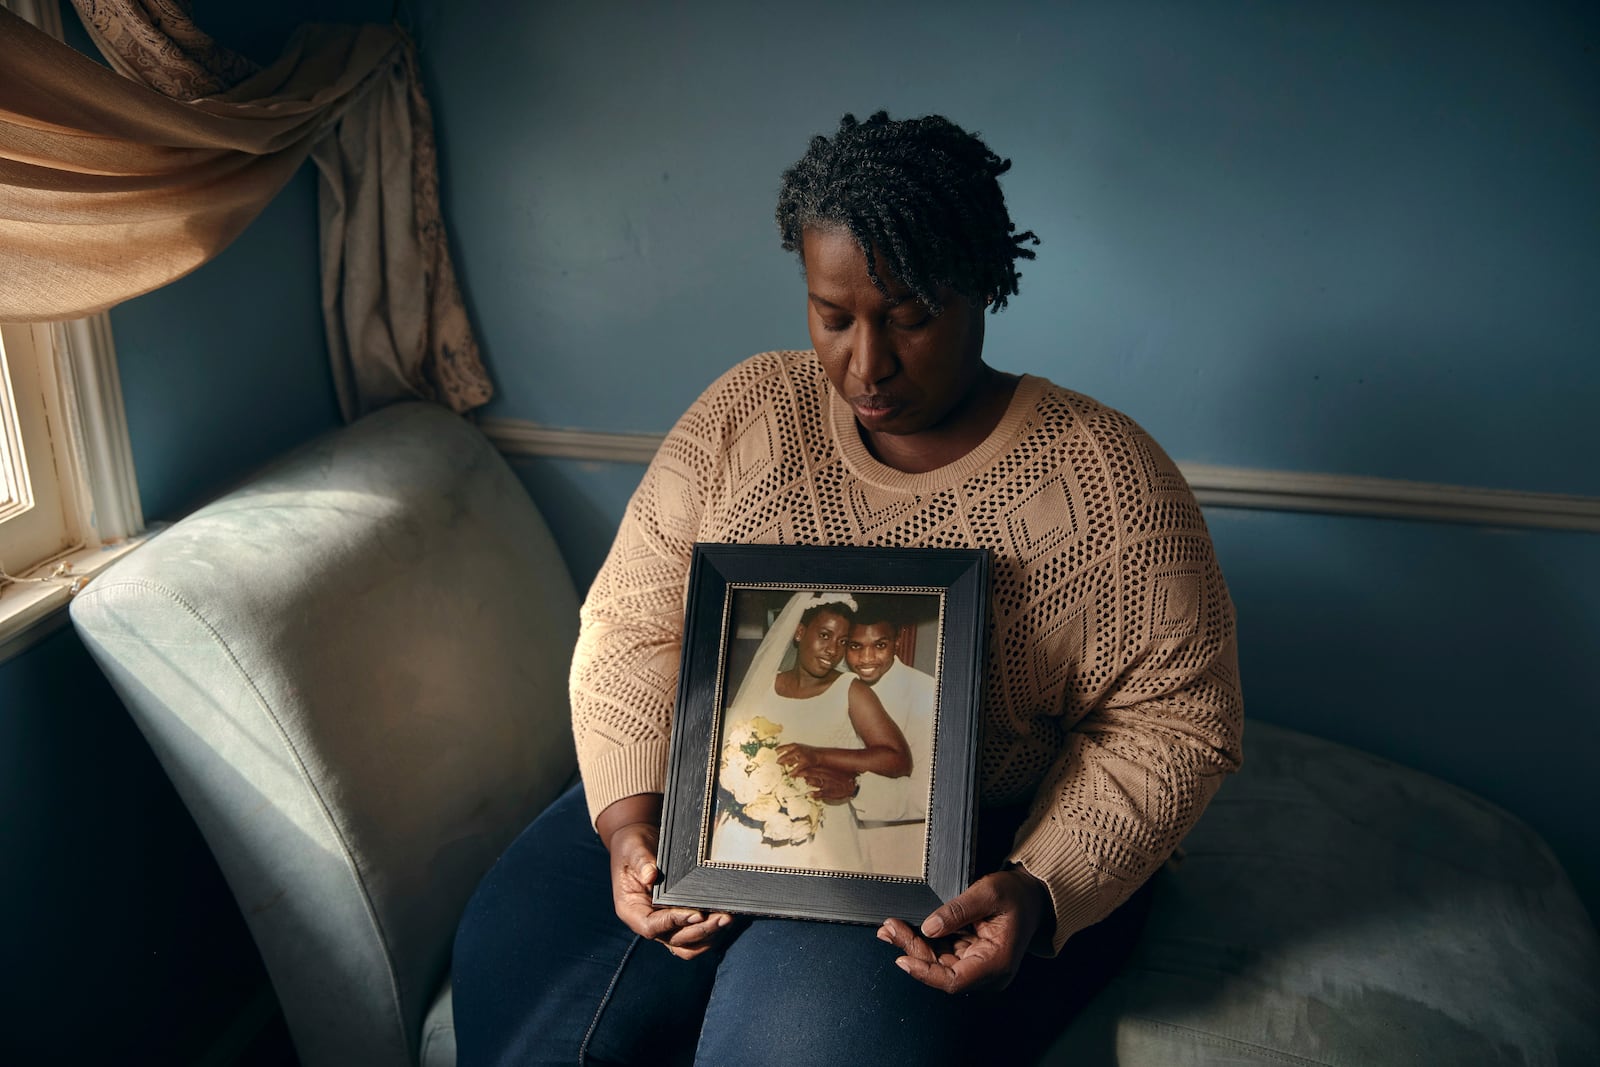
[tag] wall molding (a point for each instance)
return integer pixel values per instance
(1341, 494)
(518, 437)
(1217, 487)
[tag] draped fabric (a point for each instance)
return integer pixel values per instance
(115, 182)
(396, 323)
(157, 43)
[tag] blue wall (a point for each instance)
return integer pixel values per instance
(227, 368)
(1333, 237)
(1350, 238)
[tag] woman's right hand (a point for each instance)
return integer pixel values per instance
(631, 829)
(831, 787)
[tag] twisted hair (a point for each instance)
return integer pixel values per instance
(923, 192)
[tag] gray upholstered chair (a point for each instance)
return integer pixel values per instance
(354, 669)
(1336, 908)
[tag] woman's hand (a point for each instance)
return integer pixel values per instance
(631, 829)
(978, 939)
(797, 759)
(831, 787)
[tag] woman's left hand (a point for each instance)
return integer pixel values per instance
(797, 758)
(978, 939)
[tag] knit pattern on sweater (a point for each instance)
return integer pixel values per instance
(1111, 697)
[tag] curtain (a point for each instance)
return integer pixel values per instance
(115, 182)
(905, 645)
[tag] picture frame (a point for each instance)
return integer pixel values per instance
(737, 835)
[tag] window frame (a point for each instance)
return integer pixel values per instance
(73, 365)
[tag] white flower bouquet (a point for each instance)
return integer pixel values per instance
(764, 795)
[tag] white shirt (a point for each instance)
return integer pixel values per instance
(908, 695)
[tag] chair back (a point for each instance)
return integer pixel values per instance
(354, 669)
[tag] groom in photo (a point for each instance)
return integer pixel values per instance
(893, 812)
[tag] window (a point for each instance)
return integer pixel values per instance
(68, 500)
(37, 519)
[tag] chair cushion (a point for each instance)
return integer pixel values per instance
(1336, 908)
(439, 1031)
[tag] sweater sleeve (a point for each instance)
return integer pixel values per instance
(623, 681)
(1143, 760)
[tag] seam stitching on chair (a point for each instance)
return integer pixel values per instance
(428, 1039)
(605, 1001)
(99, 589)
(1277, 1054)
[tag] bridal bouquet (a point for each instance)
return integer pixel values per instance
(764, 795)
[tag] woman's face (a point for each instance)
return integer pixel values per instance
(901, 370)
(821, 643)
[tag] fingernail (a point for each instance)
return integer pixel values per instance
(904, 964)
(724, 920)
(932, 928)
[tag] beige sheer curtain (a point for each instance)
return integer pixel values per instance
(113, 183)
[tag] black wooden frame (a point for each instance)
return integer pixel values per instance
(960, 577)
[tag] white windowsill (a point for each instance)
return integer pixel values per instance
(30, 611)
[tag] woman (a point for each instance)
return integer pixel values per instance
(1111, 708)
(830, 721)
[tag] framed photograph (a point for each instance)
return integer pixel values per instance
(824, 747)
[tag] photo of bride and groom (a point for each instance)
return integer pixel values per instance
(827, 746)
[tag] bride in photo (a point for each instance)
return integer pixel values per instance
(787, 723)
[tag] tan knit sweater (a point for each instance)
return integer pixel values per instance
(1112, 695)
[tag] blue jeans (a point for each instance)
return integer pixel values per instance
(545, 973)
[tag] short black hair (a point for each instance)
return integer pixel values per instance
(923, 192)
(871, 610)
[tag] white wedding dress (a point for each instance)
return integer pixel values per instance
(822, 721)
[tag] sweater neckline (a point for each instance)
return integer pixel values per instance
(862, 463)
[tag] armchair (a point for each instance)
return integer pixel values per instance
(353, 668)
